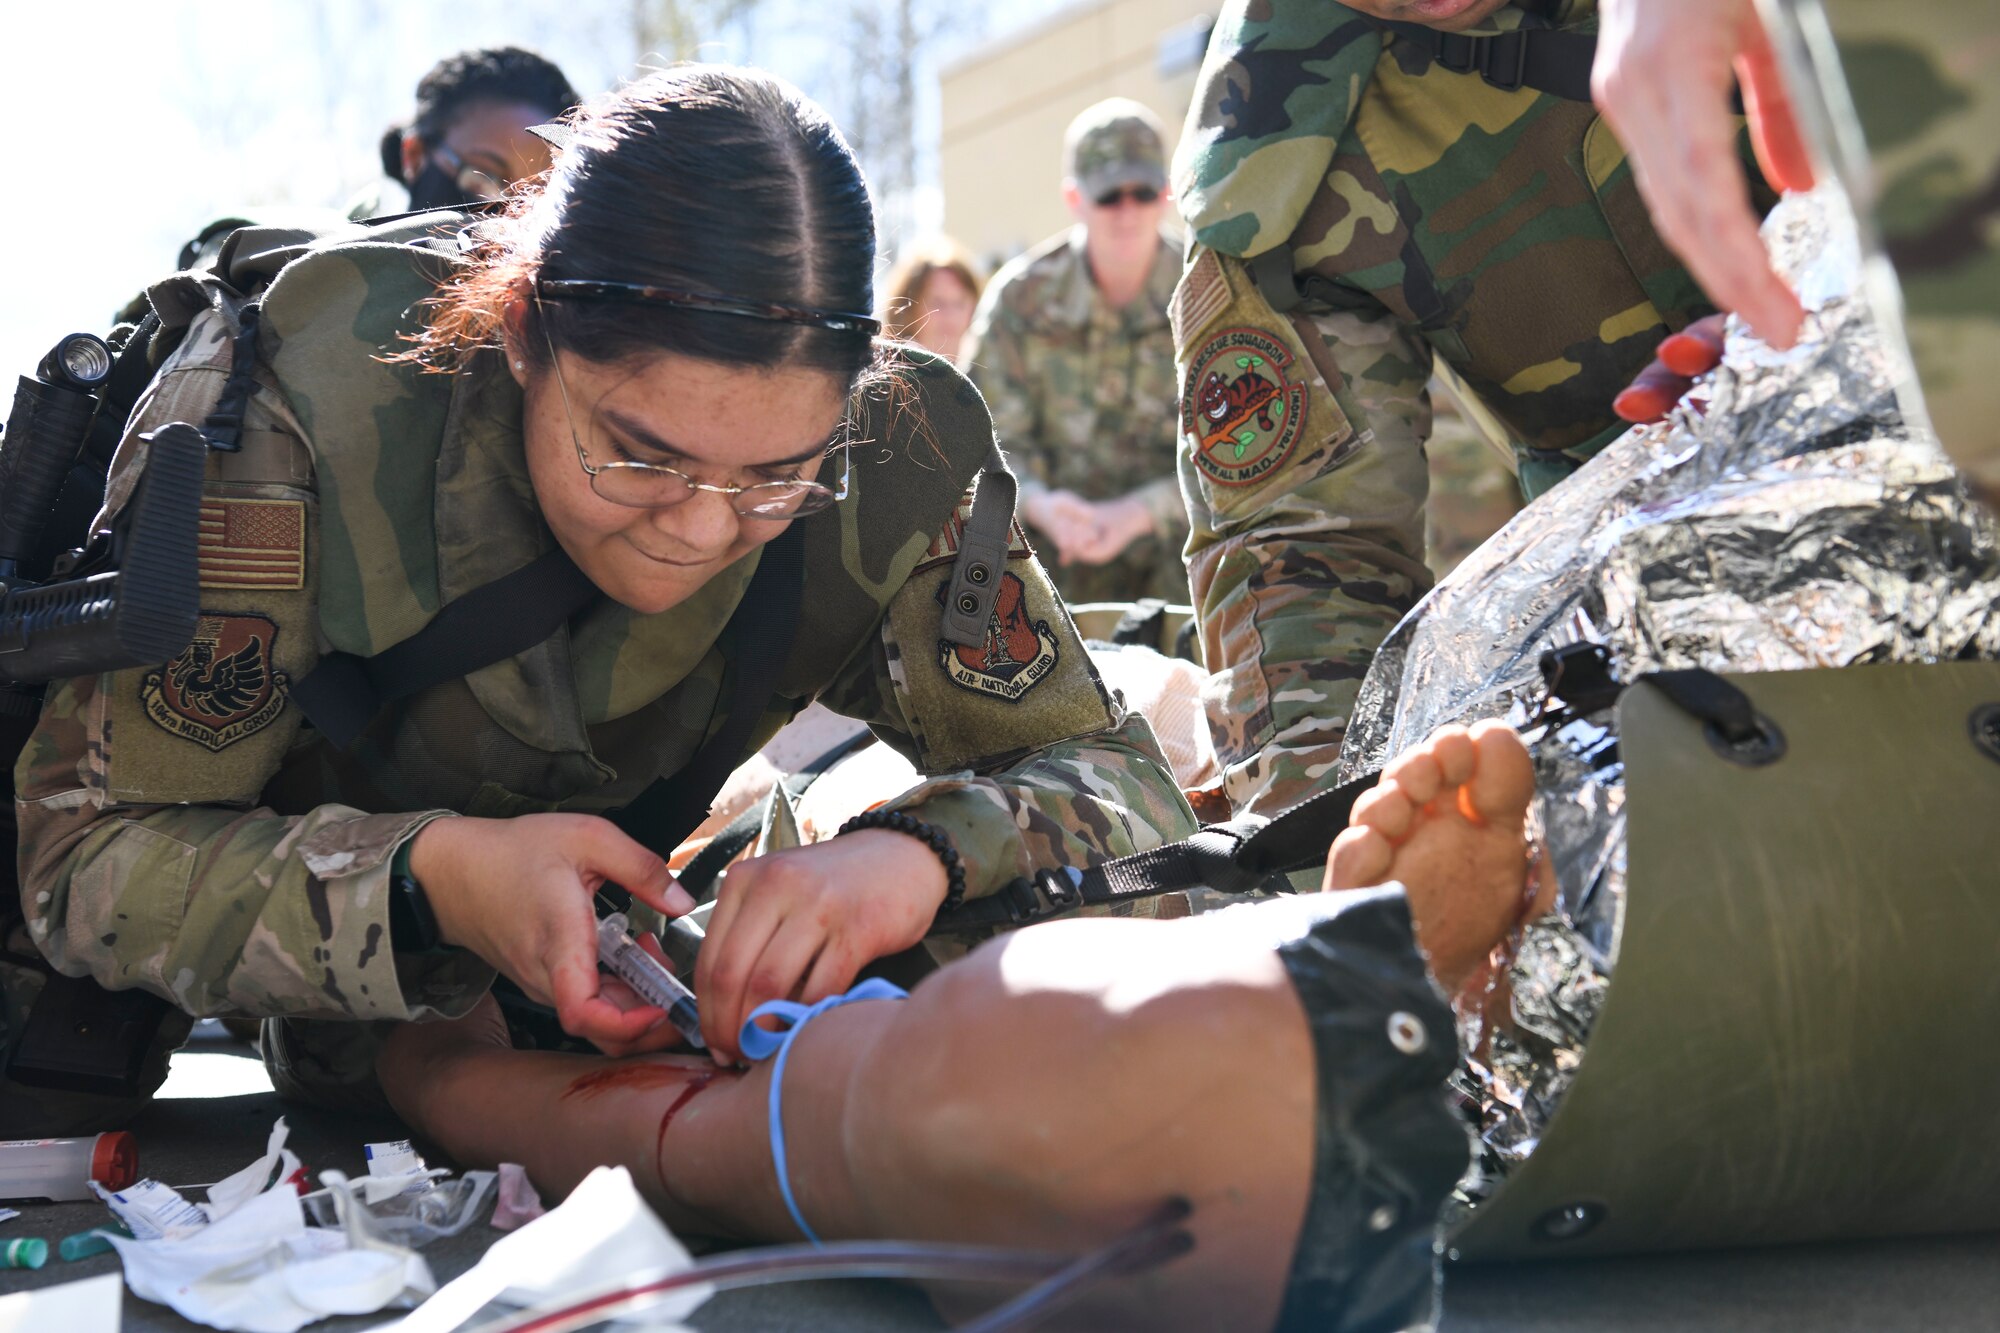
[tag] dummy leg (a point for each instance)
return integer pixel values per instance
(1049, 1091)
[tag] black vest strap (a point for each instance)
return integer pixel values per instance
(1242, 856)
(1548, 60)
(1251, 855)
(762, 627)
(512, 614)
(344, 693)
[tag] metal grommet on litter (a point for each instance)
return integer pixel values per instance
(1406, 1032)
(978, 573)
(968, 603)
(1984, 724)
(1382, 1218)
(1569, 1221)
(1763, 744)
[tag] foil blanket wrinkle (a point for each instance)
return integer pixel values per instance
(1786, 516)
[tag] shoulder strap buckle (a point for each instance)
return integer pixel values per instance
(1501, 59)
(1042, 894)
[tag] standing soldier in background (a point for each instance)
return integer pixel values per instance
(1071, 348)
(1370, 199)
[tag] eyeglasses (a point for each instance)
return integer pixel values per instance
(1138, 194)
(638, 485)
(468, 178)
(639, 293)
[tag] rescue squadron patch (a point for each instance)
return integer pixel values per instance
(1018, 652)
(252, 544)
(1241, 408)
(223, 686)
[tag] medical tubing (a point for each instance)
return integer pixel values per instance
(757, 1044)
(899, 1260)
(1158, 1240)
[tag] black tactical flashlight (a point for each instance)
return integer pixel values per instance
(45, 431)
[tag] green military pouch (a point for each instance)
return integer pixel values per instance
(1794, 1044)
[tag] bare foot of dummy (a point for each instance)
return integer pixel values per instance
(1447, 822)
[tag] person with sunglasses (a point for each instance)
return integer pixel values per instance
(665, 450)
(469, 139)
(1072, 349)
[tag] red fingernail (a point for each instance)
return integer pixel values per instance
(1689, 354)
(1643, 404)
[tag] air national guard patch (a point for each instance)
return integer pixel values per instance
(1241, 408)
(1018, 652)
(223, 687)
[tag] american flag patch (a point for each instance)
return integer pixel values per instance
(253, 544)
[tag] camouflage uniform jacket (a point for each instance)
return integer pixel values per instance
(1432, 221)
(182, 830)
(1083, 398)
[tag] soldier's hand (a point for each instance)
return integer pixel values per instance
(1680, 360)
(518, 892)
(1663, 74)
(801, 923)
(1067, 519)
(1118, 524)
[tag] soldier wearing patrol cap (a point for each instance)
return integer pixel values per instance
(1375, 191)
(671, 438)
(1071, 347)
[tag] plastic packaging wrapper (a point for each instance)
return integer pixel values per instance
(414, 1216)
(518, 1203)
(260, 1269)
(1792, 520)
(601, 1234)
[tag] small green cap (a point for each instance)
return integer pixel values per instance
(32, 1252)
(82, 1245)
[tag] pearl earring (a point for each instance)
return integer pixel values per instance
(520, 365)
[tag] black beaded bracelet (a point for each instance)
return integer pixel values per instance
(930, 835)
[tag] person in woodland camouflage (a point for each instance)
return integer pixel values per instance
(669, 400)
(1375, 190)
(1071, 348)
(1927, 95)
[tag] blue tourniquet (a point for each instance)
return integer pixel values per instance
(758, 1044)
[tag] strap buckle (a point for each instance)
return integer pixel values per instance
(1457, 52)
(1501, 59)
(1042, 894)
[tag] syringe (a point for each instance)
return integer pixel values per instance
(623, 958)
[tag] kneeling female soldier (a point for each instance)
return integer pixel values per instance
(653, 364)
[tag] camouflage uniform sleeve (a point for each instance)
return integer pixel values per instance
(145, 859)
(995, 359)
(1030, 762)
(1302, 462)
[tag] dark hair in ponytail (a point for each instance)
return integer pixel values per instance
(700, 178)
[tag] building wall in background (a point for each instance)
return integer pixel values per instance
(1005, 106)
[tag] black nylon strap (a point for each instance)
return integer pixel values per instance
(763, 627)
(1548, 60)
(1242, 856)
(343, 694)
(1705, 695)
